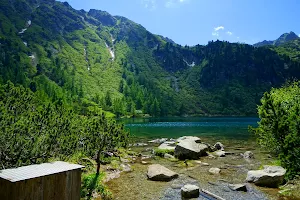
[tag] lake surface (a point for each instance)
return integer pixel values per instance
(215, 127)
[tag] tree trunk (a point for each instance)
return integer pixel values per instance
(98, 163)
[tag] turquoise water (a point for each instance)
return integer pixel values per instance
(216, 127)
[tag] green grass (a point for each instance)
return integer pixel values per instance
(162, 152)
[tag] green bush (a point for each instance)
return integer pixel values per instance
(92, 183)
(279, 128)
(162, 152)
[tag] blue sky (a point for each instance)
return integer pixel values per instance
(199, 21)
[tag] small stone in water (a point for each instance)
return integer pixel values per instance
(214, 170)
(190, 191)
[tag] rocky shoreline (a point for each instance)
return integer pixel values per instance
(187, 166)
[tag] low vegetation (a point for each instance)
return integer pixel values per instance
(279, 128)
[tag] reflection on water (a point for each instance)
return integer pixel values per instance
(217, 127)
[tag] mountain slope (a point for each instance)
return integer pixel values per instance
(284, 38)
(93, 60)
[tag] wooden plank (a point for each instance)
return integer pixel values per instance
(6, 190)
(62, 186)
(211, 194)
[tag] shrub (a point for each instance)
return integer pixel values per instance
(279, 128)
(162, 152)
(91, 183)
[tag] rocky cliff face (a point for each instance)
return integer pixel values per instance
(284, 38)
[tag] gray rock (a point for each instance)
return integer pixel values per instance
(159, 140)
(189, 149)
(168, 156)
(205, 164)
(144, 162)
(238, 187)
(140, 144)
(248, 155)
(158, 172)
(270, 176)
(211, 148)
(220, 153)
(214, 170)
(126, 167)
(190, 191)
(146, 157)
(219, 146)
(193, 138)
(167, 146)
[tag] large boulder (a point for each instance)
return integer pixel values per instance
(158, 172)
(189, 149)
(193, 138)
(270, 176)
(190, 191)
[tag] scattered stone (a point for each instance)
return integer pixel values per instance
(219, 146)
(214, 170)
(125, 167)
(176, 186)
(123, 160)
(144, 162)
(159, 141)
(146, 157)
(167, 146)
(140, 144)
(112, 175)
(189, 149)
(205, 164)
(168, 156)
(211, 156)
(192, 138)
(198, 162)
(270, 176)
(238, 187)
(211, 148)
(190, 191)
(220, 153)
(248, 155)
(158, 172)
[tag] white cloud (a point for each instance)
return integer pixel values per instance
(215, 34)
(229, 33)
(171, 3)
(152, 4)
(149, 4)
(299, 35)
(219, 28)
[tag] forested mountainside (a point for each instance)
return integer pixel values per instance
(95, 61)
